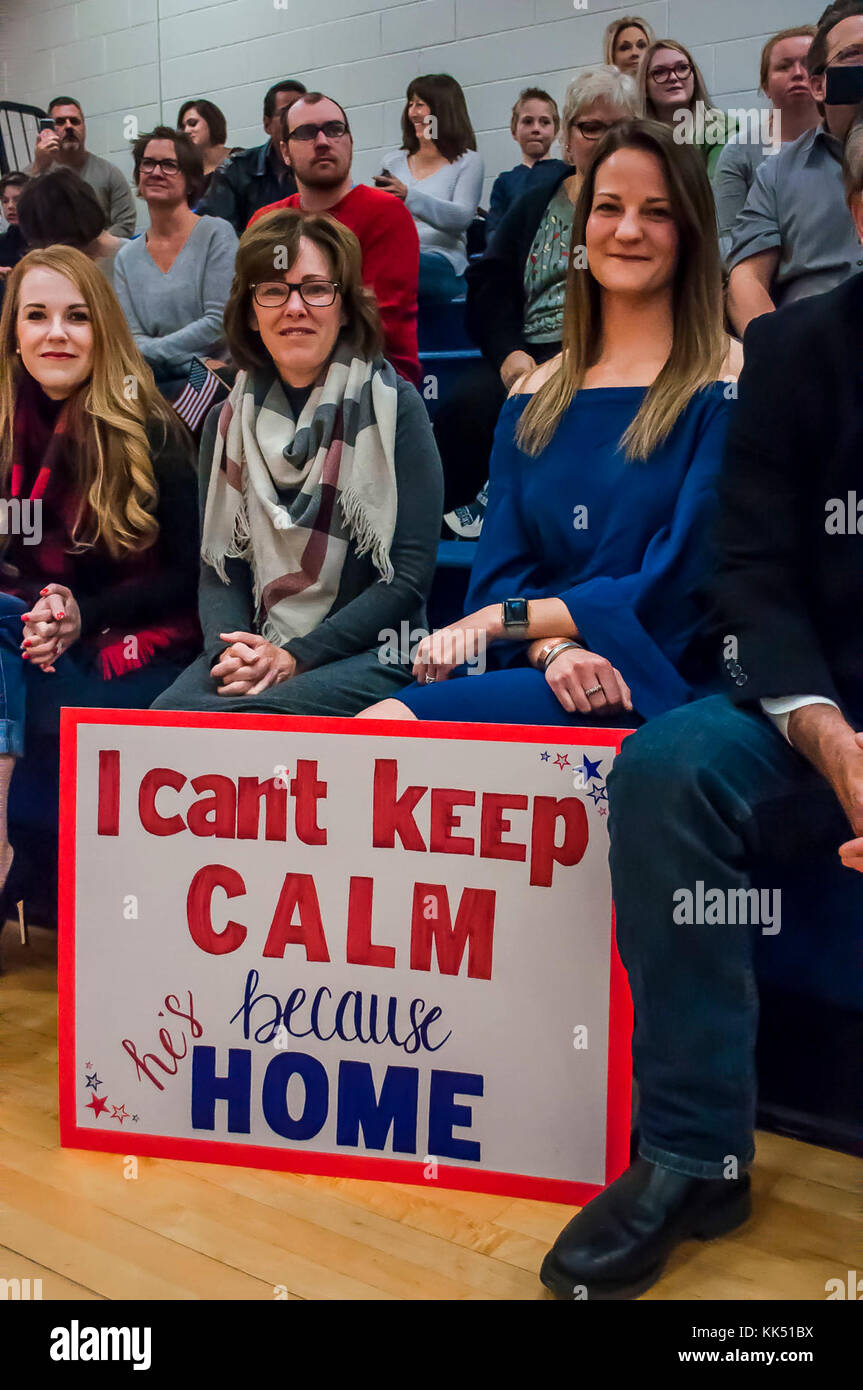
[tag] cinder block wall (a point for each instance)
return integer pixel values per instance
(145, 57)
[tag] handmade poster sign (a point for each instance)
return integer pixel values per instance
(377, 950)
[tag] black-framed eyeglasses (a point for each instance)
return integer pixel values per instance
(332, 129)
(593, 130)
(167, 166)
(664, 75)
(318, 294)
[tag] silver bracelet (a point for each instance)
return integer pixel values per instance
(556, 651)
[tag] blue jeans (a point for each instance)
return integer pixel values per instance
(697, 795)
(438, 281)
(12, 676)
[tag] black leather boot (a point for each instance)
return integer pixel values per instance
(617, 1245)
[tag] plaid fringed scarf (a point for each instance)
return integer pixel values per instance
(288, 496)
(43, 470)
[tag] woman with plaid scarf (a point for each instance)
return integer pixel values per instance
(321, 489)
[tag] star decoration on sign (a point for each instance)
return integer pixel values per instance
(591, 770)
(603, 810)
(120, 1113)
(562, 760)
(97, 1104)
(93, 1082)
(597, 794)
(88, 1065)
(135, 1118)
(544, 757)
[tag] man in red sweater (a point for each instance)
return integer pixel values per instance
(318, 145)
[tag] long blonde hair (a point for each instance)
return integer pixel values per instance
(107, 415)
(699, 343)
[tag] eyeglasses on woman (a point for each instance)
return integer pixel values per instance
(317, 294)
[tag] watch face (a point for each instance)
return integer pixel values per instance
(515, 612)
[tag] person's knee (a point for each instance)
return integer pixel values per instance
(664, 760)
(386, 709)
(189, 691)
(169, 699)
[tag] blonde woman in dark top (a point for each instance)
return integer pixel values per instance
(101, 611)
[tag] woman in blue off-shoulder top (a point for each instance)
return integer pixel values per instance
(584, 597)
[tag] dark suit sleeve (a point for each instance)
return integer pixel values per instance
(765, 517)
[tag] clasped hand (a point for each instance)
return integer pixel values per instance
(250, 664)
(52, 625)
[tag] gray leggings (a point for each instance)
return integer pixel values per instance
(341, 688)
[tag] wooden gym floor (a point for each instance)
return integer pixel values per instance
(198, 1231)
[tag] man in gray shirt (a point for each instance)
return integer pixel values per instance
(66, 145)
(795, 236)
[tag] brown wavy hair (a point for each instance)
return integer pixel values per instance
(107, 422)
(217, 126)
(445, 99)
(189, 158)
(276, 238)
(699, 344)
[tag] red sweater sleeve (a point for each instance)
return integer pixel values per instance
(391, 259)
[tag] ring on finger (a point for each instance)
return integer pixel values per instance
(429, 680)
(594, 690)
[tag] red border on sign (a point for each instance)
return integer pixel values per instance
(619, 1079)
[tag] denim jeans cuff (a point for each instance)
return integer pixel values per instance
(11, 737)
(695, 1167)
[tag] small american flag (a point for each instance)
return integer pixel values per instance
(197, 395)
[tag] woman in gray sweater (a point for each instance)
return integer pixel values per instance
(321, 490)
(173, 281)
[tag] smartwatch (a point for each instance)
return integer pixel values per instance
(515, 616)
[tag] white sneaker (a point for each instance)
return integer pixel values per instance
(466, 522)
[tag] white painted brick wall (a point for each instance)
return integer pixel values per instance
(148, 56)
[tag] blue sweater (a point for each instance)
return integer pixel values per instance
(624, 545)
(509, 186)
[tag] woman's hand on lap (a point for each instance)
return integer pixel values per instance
(575, 672)
(463, 642)
(250, 664)
(51, 626)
